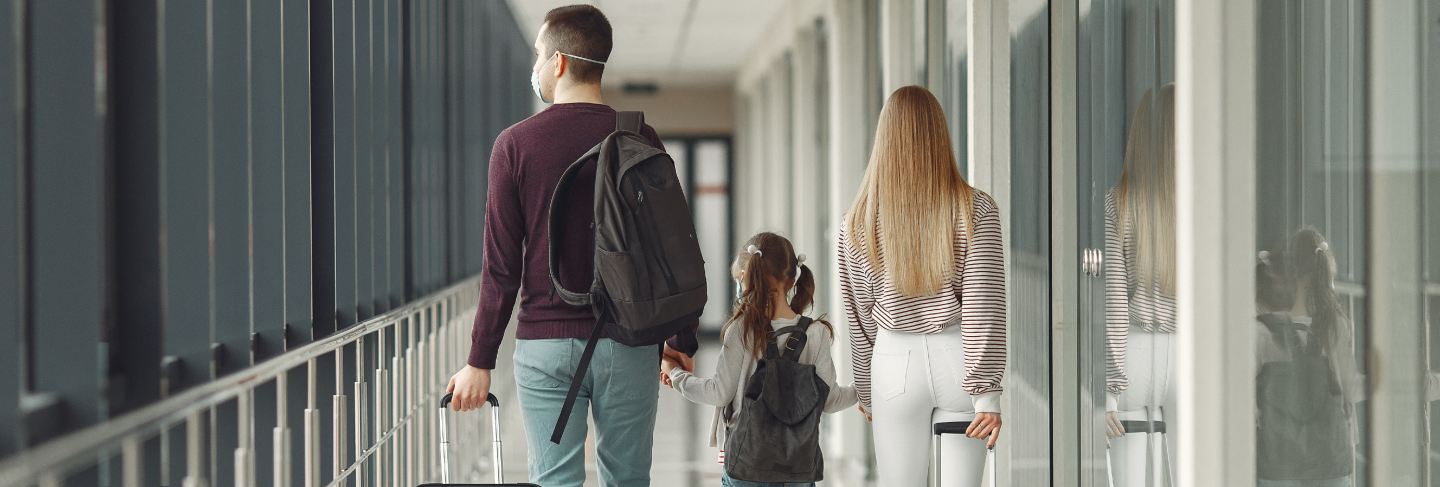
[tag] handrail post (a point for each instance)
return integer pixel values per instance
(312, 429)
(131, 455)
(245, 417)
(194, 451)
(339, 406)
(281, 433)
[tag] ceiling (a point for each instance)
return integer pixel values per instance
(670, 42)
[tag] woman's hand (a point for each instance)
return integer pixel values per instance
(1113, 426)
(861, 407)
(985, 426)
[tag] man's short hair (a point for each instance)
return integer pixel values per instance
(581, 30)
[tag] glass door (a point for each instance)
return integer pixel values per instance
(1126, 241)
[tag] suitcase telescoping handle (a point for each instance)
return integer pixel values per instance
(494, 431)
(957, 428)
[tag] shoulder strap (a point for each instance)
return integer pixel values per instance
(629, 121)
(793, 344)
(557, 204)
(574, 392)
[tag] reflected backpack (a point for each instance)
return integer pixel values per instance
(649, 279)
(1303, 428)
(777, 436)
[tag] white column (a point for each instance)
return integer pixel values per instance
(1215, 155)
(1397, 331)
(849, 144)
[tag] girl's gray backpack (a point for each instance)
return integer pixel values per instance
(1304, 419)
(777, 436)
(649, 281)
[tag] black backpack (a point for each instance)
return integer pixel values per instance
(1303, 428)
(777, 436)
(649, 281)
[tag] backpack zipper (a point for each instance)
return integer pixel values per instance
(649, 235)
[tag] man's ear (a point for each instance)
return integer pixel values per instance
(562, 66)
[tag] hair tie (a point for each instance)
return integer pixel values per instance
(1322, 248)
(799, 260)
(1264, 257)
(753, 250)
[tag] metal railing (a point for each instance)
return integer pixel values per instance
(427, 338)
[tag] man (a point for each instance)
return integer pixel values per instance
(621, 388)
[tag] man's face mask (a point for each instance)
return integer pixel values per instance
(535, 75)
(535, 78)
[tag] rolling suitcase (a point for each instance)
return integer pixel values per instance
(1148, 428)
(956, 428)
(497, 451)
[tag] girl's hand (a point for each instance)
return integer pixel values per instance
(667, 365)
(985, 426)
(861, 407)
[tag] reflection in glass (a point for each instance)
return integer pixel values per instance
(1140, 298)
(1307, 382)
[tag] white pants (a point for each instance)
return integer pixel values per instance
(1141, 459)
(915, 382)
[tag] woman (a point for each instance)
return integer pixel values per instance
(1140, 295)
(922, 271)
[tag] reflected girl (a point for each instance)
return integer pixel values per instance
(1308, 381)
(1140, 296)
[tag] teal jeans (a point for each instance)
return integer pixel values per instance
(620, 391)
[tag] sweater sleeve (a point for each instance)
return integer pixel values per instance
(504, 263)
(715, 391)
(983, 308)
(841, 397)
(1117, 306)
(855, 291)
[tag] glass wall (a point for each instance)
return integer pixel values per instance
(1126, 235)
(1311, 247)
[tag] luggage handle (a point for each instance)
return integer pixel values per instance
(958, 428)
(494, 431)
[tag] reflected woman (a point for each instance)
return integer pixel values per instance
(922, 272)
(1140, 296)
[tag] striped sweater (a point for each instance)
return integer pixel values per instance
(1125, 304)
(972, 298)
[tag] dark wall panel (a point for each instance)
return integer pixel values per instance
(252, 175)
(297, 146)
(364, 160)
(345, 160)
(10, 235)
(185, 192)
(267, 174)
(323, 212)
(68, 210)
(134, 371)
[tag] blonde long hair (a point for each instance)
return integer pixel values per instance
(912, 190)
(1145, 196)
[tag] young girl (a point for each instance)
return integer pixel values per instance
(1308, 381)
(768, 271)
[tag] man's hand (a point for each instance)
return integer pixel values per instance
(470, 386)
(685, 362)
(985, 426)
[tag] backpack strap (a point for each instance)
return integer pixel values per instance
(559, 204)
(629, 121)
(793, 344)
(575, 382)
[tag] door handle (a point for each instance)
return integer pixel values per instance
(1092, 262)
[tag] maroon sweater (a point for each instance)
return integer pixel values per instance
(525, 165)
